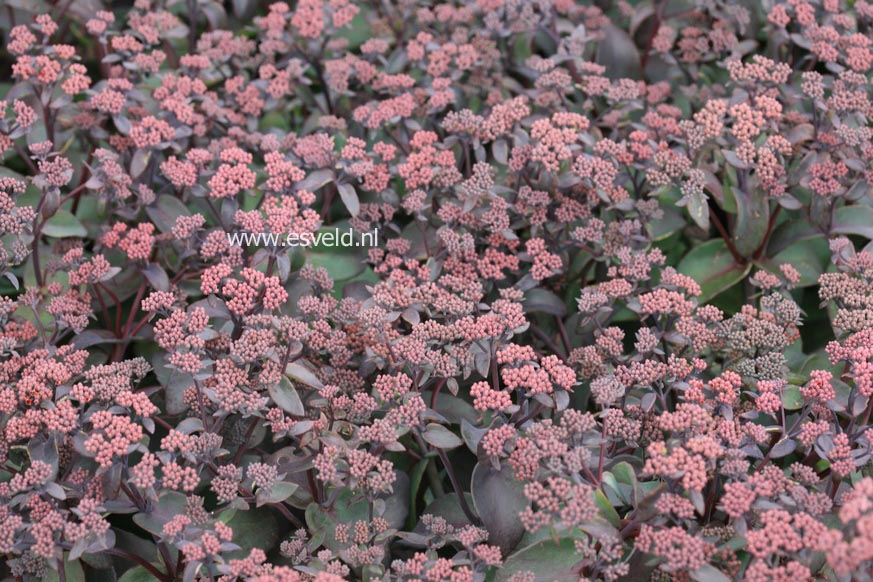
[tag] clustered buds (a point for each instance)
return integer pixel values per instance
(616, 322)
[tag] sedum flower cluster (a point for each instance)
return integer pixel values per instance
(616, 323)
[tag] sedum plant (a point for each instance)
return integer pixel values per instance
(615, 322)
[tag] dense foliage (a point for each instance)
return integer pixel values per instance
(618, 324)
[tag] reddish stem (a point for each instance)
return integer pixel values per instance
(726, 237)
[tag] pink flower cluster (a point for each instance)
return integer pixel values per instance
(616, 322)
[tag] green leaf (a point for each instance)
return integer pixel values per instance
(857, 219)
(452, 408)
(274, 119)
(64, 225)
(169, 505)
(713, 267)
(708, 573)
(472, 435)
(698, 210)
(277, 493)
(783, 448)
(157, 277)
(618, 53)
(349, 198)
(645, 505)
(341, 266)
(543, 300)
(550, 561)
(346, 509)
(448, 508)
(373, 573)
(792, 399)
(174, 382)
(315, 180)
(671, 222)
(285, 396)
(607, 511)
(255, 528)
(165, 211)
(499, 498)
(394, 507)
(304, 375)
(521, 47)
(215, 14)
(139, 162)
(817, 361)
(727, 201)
(734, 160)
(358, 31)
(72, 570)
(414, 484)
(243, 8)
(134, 544)
(753, 215)
(138, 574)
(93, 337)
(617, 494)
(810, 257)
(440, 437)
(122, 124)
(626, 475)
(500, 150)
(800, 133)
(791, 232)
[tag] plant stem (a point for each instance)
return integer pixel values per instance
(726, 237)
(141, 561)
(433, 478)
(462, 500)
